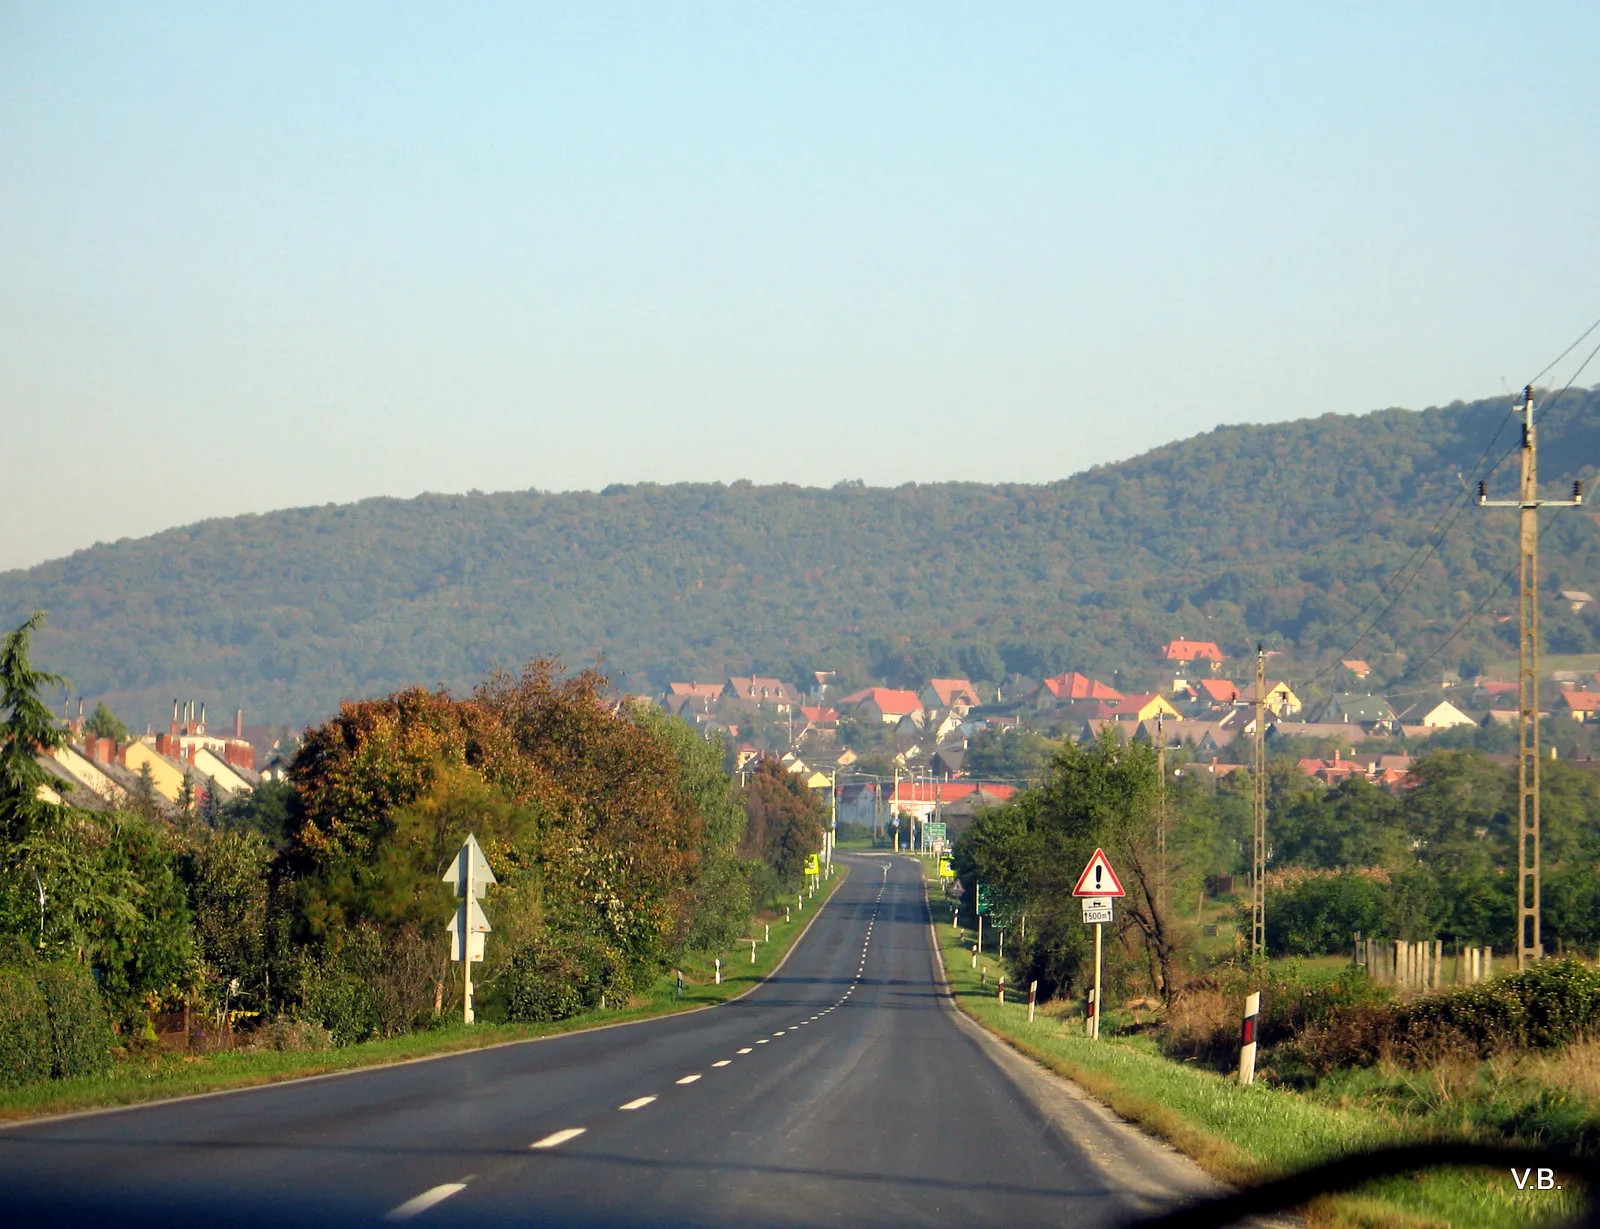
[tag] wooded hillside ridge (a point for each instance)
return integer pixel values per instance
(1280, 533)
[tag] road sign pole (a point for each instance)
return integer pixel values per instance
(1098, 928)
(466, 941)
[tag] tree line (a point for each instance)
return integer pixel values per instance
(1433, 860)
(618, 839)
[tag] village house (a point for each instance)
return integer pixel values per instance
(1371, 713)
(761, 691)
(887, 705)
(691, 697)
(1579, 705)
(1279, 700)
(958, 695)
(1211, 695)
(1063, 689)
(1144, 708)
(1188, 652)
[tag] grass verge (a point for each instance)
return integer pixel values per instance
(1241, 1135)
(162, 1075)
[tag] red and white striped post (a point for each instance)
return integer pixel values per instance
(1002, 995)
(1089, 1020)
(1033, 997)
(1247, 1039)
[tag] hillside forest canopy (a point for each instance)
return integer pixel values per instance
(1282, 534)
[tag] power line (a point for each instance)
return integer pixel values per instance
(1452, 513)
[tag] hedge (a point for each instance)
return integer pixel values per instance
(53, 1024)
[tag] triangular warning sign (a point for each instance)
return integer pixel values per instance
(1098, 879)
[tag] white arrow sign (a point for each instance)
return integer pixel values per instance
(470, 865)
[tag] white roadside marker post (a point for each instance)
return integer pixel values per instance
(1247, 1039)
(719, 970)
(1033, 997)
(752, 951)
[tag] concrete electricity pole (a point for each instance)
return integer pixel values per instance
(1529, 944)
(1258, 865)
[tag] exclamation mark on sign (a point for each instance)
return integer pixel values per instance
(1098, 871)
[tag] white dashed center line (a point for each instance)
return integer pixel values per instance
(690, 1079)
(722, 1062)
(424, 1201)
(558, 1138)
(762, 1042)
(746, 1050)
(638, 1103)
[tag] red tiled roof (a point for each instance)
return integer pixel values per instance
(1219, 691)
(818, 715)
(702, 691)
(1075, 686)
(1581, 701)
(1495, 688)
(1192, 650)
(948, 791)
(888, 699)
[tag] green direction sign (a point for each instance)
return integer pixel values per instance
(933, 833)
(985, 899)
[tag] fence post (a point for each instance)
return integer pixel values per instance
(1438, 963)
(1399, 963)
(1033, 997)
(1488, 961)
(1247, 1039)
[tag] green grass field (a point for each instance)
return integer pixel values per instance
(156, 1075)
(1241, 1134)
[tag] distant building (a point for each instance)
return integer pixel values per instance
(761, 691)
(958, 695)
(1192, 651)
(889, 705)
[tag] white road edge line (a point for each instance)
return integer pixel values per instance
(558, 1138)
(638, 1103)
(424, 1201)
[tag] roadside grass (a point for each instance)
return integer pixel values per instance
(156, 1075)
(1242, 1135)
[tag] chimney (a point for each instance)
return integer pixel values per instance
(202, 714)
(174, 730)
(238, 724)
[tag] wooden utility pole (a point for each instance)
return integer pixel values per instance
(1529, 944)
(1258, 865)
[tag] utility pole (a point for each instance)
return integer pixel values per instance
(1161, 815)
(1258, 866)
(1529, 944)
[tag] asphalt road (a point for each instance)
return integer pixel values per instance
(842, 1092)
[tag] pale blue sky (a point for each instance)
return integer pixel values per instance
(258, 256)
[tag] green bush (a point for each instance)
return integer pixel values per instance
(554, 979)
(53, 1024)
(1552, 1004)
(24, 1029)
(1319, 915)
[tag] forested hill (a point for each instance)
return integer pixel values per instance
(1279, 532)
